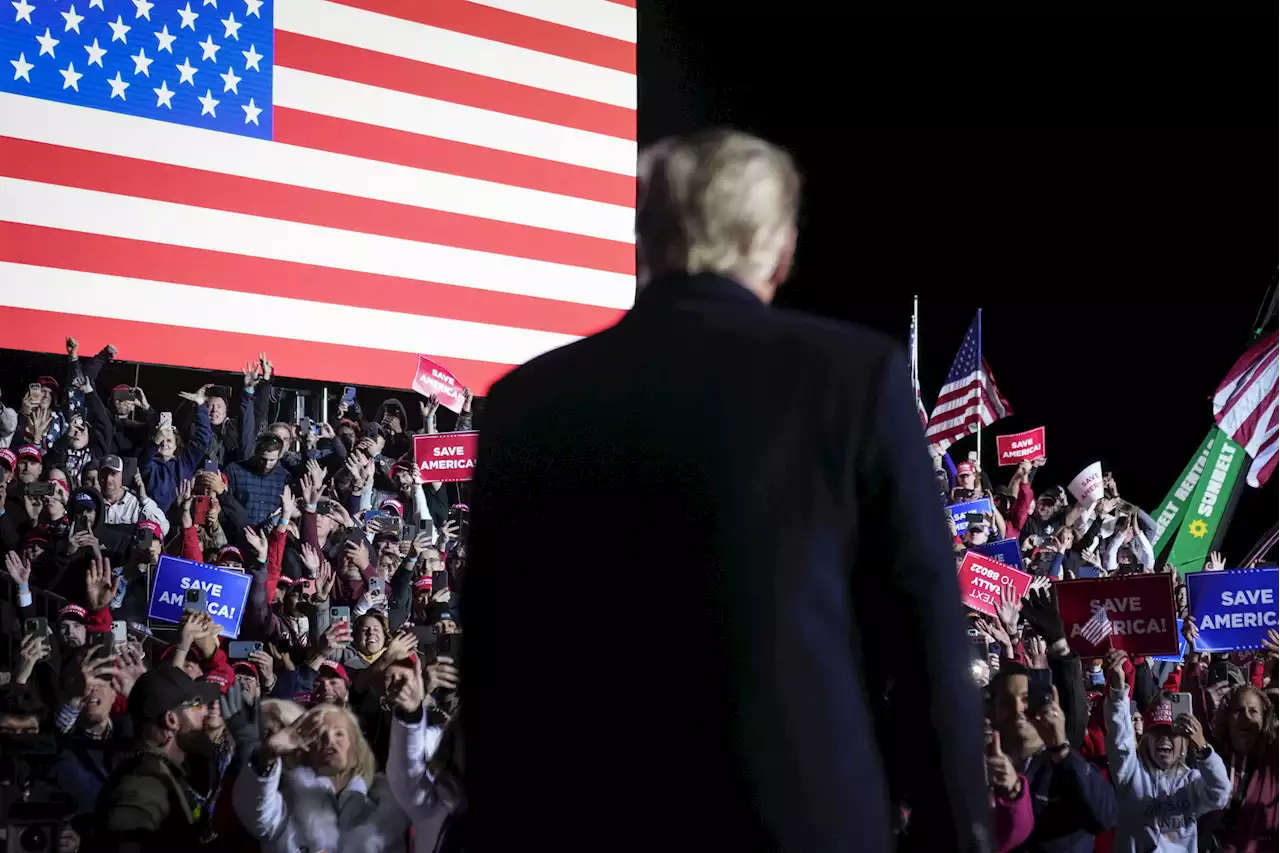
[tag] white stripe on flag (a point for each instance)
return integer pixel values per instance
(411, 40)
(594, 16)
(53, 206)
(127, 136)
(75, 292)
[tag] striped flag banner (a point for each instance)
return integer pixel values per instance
(345, 185)
(1097, 628)
(1247, 408)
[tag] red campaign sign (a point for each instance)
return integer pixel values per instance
(1139, 606)
(446, 457)
(431, 378)
(1020, 447)
(981, 579)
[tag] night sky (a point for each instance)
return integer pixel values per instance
(1104, 187)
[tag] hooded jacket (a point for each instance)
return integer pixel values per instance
(400, 443)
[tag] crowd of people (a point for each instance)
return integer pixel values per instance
(333, 724)
(336, 727)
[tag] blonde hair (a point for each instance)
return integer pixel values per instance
(721, 201)
(284, 710)
(362, 760)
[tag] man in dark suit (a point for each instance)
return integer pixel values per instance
(711, 602)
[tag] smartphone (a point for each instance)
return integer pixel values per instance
(349, 395)
(200, 509)
(974, 517)
(440, 580)
(81, 524)
(101, 640)
(376, 587)
(38, 626)
(166, 419)
(304, 426)
(426, 635)
(961, 495)
(449, 645)
(210, 466)
(130, 472)
(39, 490)
(119, 633)
(973, 456)
(193, 601)
(308, 586)
(223, 391)
(1039, 694)
(408, 531)
(240, 649)
(126, 395)
(1181, 704)
(324, 507)
(339, 614)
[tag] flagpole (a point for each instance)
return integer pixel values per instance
(980, 398)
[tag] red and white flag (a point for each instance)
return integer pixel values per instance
(345, 185)
(1098, 628)
(1246, 407)
(915, 365)
(969, 397)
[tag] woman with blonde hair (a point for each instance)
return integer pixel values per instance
(1244, 730)
(1164, 782)
(331, 799)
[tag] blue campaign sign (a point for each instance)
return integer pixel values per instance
(981, 505)
(1233, 609)
(1182, 648)
(226, 592)
(1006, 551)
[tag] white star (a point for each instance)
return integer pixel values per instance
(166, 40)
(232, 25)
(254, 6)
(188, 17)
(97, 3)
(209, 48)
(71, 77)
(118, 29)
(144, 9)
(251, 112)
(73, 21)
(21, 67)
(164, 95)
(141, 64)
(230, 80)
(251, 57)
(208, 103)
(118, 86)
(24, 12)
(213, 3)
(47, 43)
(95, 53)
(186, 72)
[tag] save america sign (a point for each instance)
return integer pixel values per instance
(446, 457)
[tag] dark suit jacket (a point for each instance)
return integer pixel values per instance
(706, 544)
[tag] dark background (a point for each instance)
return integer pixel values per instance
(1102, 184)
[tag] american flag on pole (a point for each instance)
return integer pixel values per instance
(1098, 628)
(1246, 408)
(968, 397)
(915, 368)
(345, 185)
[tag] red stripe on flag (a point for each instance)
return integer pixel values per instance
(326, 133)
(509, 28)
(207, 349)
(55, 164)
(74, 250)
(629, 3)
(346, 62)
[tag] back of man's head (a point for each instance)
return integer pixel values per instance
(720, 201)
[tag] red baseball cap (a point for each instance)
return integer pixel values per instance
(1158, 714)
(154, 527)
(965, 468)
(8, 458)
(338, 670)
(422, 583)
(30, 451)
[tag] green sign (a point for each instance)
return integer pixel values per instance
(1169, 514)
(1204, 511)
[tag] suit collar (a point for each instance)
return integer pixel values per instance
(668, 290)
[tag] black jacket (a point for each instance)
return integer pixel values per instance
(746, 553)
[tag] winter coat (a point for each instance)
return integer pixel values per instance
(427, 803)
(162, 476)
(296, 810)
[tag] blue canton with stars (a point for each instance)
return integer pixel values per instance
(204, 63)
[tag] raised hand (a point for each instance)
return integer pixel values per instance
(310, 559)
(404, 688)
(428, 407)
(1001, 774)
(99, 584)
(324, 580)
(266, 668)
(129, 667)
(1007, 609)
(1189, 727)
(466, 399)
(1215, 563)
(442, 674)
(250, 372)
(73, 347)
(268, 369)
(257, 542)
(401, 646)
(196, 396)
(288, 505)
(18, 568)
(1113, 663)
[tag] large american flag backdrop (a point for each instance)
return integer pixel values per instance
(344, 185)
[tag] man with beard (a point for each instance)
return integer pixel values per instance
(148, 804)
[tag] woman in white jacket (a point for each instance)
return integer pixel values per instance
(1165, 782)
(331, 800)
(426, 791)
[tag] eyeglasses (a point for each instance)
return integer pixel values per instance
(191, 703)
(429, 560)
